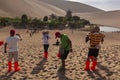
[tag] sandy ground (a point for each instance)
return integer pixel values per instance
(34, 67)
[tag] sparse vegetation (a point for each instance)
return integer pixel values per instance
(51, 22)
(24, 20)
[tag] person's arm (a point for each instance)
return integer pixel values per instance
(19, 36)
(102, 40)
(5, 48)
(87, 39)
(70, 45)
(49, 37)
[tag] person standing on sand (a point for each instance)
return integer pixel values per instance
(95, 37)
(12, 43)
(65, 47)
(45, 39)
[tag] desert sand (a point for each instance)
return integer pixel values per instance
(34, 67)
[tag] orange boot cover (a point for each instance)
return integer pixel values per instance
(9, 66)
(16, 66)
(46, 55)
(93, 65)
(87, 65)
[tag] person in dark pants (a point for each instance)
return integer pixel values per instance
(95, 37)
(46, 43)
(65, 47)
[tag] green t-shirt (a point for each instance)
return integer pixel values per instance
(65, 43)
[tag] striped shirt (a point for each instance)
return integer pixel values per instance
(95, 39)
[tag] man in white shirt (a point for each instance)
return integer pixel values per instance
(12, 43)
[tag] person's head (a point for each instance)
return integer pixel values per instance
(45, 32)
(57, 35)
(96, 29)
(12, 32)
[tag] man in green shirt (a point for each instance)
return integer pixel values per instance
(65, 47)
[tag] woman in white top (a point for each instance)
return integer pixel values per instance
(45, 43)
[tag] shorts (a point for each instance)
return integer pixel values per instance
(64, 55)
(12, 55)
(93, 52)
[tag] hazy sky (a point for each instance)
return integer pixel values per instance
(102, 4)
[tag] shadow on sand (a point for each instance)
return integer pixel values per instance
(39, 66)
(100, 76)
(61, 74)
(109, 73)
(7, 76)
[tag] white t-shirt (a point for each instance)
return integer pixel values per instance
(12, 43)
(45, 39)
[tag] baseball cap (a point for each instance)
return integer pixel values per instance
(12, 31)
(57, 34)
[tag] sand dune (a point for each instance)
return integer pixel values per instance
(40, 8)
(33, 8)
(73, 6)
(110, 18)
(34, 67)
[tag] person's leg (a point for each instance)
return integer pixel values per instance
(47, 46)
(46, 50)
(94, 63)
(63, 57)
(60, 53)
(16, 65)
(63, 63)
(10, 55)
(94, 60)
(87, 63)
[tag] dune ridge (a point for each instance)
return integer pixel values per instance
(75, 7)
(40, 8)
(32, 8)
